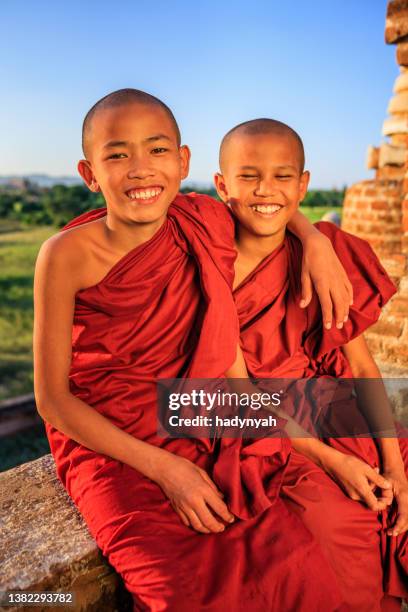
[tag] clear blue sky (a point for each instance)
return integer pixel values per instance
(322, 66)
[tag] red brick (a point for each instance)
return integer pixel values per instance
(369, 191)
(380, 205)
(399, 305)
(388, 328)
(390, 173)
(395, 265)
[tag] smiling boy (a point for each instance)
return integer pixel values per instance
(125, 295)
(330, 485)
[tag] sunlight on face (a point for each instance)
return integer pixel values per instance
(263, 180)
(136, 161)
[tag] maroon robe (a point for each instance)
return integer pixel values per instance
(165, 310)
(280, 340)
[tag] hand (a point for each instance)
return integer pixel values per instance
(321, 269)
(359, 480)
(399, 485)
(193, 495)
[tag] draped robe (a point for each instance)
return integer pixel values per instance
(281, 340)
(166, 310)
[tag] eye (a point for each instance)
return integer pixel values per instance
(117, 156)
(159, 150)
(284, 176)
(247, 176)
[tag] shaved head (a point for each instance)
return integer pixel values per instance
(261, 127)
(118, 98)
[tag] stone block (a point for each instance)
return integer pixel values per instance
(396, 23)
(388, 327)
(395, 173)
(45, 544)
(395, 125)
(402, 53)
(400, 140)
(401, 82)
(395, 265)
(391, 155)
(398, 104)
(372, 158)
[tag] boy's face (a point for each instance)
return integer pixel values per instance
(263, 182)
(135, 160)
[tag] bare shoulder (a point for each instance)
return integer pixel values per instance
(68, 257)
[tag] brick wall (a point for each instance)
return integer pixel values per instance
(377, 209)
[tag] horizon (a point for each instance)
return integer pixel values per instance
(325, 70)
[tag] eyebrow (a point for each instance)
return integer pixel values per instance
(277, 167)
(123, 143)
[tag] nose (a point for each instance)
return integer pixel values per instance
(265, 188)
(140, 168)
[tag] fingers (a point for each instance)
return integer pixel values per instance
(220, 508)
(377, 479)
(325, 304)
(400, 526)
(349, 289)
(373, 502)
(307, 290)
(340, 305)
(183, 516)
(196, 522)
(211, 483)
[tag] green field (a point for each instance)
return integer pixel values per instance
(18, 251)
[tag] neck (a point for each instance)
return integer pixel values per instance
(256, 247)
(126, 235)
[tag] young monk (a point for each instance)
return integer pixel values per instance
(330, 485)
(125, 295)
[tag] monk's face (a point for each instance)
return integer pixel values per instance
(262, 180)
(135, 160)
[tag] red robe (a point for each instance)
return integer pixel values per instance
(165, 310)
(280, 340)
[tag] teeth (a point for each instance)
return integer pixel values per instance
(144, 195)
(268, 209)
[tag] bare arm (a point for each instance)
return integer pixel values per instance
(56, 281)
(322, 269)
(373, 400)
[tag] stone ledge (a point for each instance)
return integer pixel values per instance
(45, 544)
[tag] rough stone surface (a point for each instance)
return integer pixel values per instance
(45, 544)
(402, 54)
(373, 157)
(396, 24)
(373, 210)
(401, 82)
(398, 103)
(391, 155)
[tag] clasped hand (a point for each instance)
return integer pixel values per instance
(194, 496)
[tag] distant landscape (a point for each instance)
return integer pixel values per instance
(29, 214)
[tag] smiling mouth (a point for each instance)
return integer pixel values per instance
(144, 194)
(267, 210)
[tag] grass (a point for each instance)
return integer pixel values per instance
(316, 213)
(18, 252)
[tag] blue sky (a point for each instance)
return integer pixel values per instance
(321, 66)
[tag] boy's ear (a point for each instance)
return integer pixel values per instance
(185, 155)
(85, 170)
(304, 184)
(221, 187)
